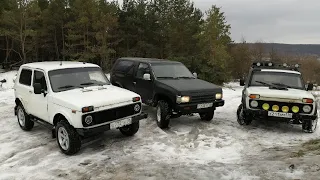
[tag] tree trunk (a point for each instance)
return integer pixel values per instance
(56, 44)
(63, 47)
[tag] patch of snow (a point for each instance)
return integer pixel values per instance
(9, 77)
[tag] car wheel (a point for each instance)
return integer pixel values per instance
(163, 114)
(241, 117)
(310, 126)
(208, 116)
(67, 138)
(24, 119)
(130, 130)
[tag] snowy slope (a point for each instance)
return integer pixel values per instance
(190, 149)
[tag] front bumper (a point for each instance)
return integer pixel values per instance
(192, 107)
(87, 132)
(262, 114)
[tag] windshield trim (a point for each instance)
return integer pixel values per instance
(292, 87)
(68, 89)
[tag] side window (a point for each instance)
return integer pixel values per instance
(40, 78)
(25, 77)
(142, 69)
(125, 67)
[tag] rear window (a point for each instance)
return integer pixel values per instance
(25, 77)
(124, 67)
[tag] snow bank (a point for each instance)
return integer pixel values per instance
(9, 77)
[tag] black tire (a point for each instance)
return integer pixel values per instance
(242, 118)
(163, 114)
(74, 141)
(24, 120)
(208, 116)
(130, 130)
(309, 126)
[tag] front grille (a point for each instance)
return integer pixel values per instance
(202, 98)
(111, 114)
(280, 104)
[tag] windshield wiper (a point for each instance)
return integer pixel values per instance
(186, 77)
(67, 86)
(283, 85)
(87, 83)
(264, 83)
(167, 77)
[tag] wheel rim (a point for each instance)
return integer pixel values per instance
(158, 114)
(63, 138)
(240, 116)
(21, 117)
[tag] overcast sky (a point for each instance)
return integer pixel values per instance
(278, 21)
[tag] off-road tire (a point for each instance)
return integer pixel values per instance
(163, 117)
(74, 138)
(242, 118)
(28, 124)
(208, 116)
(309, 127)
(130, 130)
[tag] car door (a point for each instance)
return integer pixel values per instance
(122, 74)
(142, 86)
(39, 102)
(23, 88)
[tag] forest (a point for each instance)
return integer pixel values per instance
(100, 31)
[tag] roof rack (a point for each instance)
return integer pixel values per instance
(272, 65)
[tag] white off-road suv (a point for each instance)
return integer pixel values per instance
(75, 100)
(277, 92)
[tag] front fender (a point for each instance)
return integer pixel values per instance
(74, 119)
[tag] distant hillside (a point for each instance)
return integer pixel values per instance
(299, 49)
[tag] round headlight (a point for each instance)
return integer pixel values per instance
(306, 108)
(285, 109)
(275, 108)
(137, 108)
(218, 96)
(295, 109)
(266, 106)
(254, 104)
(88, 120)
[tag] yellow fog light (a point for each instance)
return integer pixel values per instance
(265, 106)
(275, 108)
(285, 109)
(295, 109)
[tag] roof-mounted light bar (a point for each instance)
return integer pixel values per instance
(269, 64)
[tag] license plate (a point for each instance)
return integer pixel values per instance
(280, 114)
(205, 105)
(120, 123)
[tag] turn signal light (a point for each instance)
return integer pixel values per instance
(307, 100)
(254, 96)
(87, 109)
(135, 99)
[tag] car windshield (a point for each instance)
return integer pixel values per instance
(66, 79)
(171, 71)
(276, 79)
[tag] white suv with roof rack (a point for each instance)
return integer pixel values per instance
(277, 92)
(75, 100)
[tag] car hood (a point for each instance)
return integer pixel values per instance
(191, 85)
(292, 94)
(94, 96)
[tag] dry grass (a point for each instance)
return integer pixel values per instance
(310, 147)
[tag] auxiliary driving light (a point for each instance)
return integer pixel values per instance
(306, 108)
(275, 108)
(285, 109)
(265, 106)
(270, 64)
(295, 109)
(254, 104)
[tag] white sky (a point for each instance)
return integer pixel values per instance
(278, 21)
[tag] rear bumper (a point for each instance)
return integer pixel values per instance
(262, 114)
(192, 107)
(87, 132)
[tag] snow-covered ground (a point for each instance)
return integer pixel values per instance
(190, 149)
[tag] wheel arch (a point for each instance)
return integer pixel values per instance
(60, 116)
(160, 96)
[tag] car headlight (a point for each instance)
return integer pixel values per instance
(183, 99)
(88, 120)
(306, 108)
(254, 104)
(137, 107)
(219, 96)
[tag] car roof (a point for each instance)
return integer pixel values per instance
(280, 70)
(53, 65)
(149, 60)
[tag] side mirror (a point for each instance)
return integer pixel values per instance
(147, 77)
(195, 75)
(310, 86)
(37, 88)
(242, 82)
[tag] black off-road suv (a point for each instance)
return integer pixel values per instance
(169, 86)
